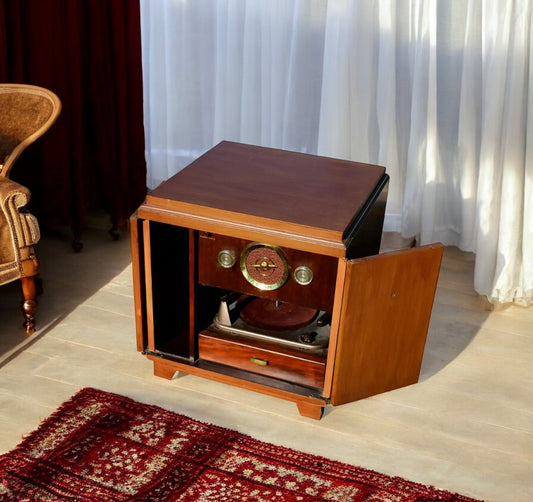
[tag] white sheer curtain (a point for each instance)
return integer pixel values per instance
(248, 71)
(437, 91)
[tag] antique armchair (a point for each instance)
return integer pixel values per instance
(26, 113)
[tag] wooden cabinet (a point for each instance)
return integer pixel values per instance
(295, 237)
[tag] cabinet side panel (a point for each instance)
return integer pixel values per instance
(334, 332)
(384, 321)
(139, 287)
(149, 302)
(363, 236)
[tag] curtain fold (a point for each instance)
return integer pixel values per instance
(229, 69)
(503, 221)
(89, 53)
(438, 92)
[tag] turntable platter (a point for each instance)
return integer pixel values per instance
(276, 316)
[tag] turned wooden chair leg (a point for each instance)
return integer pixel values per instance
(29, 307)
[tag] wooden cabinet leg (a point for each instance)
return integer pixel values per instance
(308, 410)
(163, 370)
(29, 307)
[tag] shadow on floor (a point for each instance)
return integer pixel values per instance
(458, 313)
(68, 280)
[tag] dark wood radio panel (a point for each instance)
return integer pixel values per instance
(319, 293)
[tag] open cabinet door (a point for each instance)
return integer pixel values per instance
(386, 308)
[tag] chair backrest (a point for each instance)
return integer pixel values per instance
(26, 113)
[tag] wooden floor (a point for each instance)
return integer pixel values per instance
(466, 427)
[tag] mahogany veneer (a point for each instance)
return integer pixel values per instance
(323, 213)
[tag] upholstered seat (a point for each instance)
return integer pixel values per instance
(26, 113)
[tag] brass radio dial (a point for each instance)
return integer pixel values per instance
(265, 266)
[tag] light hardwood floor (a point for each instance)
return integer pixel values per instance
(467, 426)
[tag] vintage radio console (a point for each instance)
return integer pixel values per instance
(260, 268)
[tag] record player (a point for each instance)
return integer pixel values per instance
(260, 268)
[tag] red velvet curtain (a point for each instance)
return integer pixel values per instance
(89, 53)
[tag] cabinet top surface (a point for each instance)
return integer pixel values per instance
(273, 185)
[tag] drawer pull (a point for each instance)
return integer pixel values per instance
(259, 362)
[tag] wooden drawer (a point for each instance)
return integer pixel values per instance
(301, 367)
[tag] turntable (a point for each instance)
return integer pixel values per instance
(260, 268)
(287, 324)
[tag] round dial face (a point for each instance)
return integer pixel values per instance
(264, 266)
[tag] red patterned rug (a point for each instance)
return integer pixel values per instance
(103, 447)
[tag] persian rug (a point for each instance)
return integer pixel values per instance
(103, 447)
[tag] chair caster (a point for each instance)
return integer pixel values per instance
(77, 245)
(29, 308)
(114, 232)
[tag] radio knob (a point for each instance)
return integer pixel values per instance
(303, 275)
(226, 258)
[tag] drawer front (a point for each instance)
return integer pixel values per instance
(300, 368)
